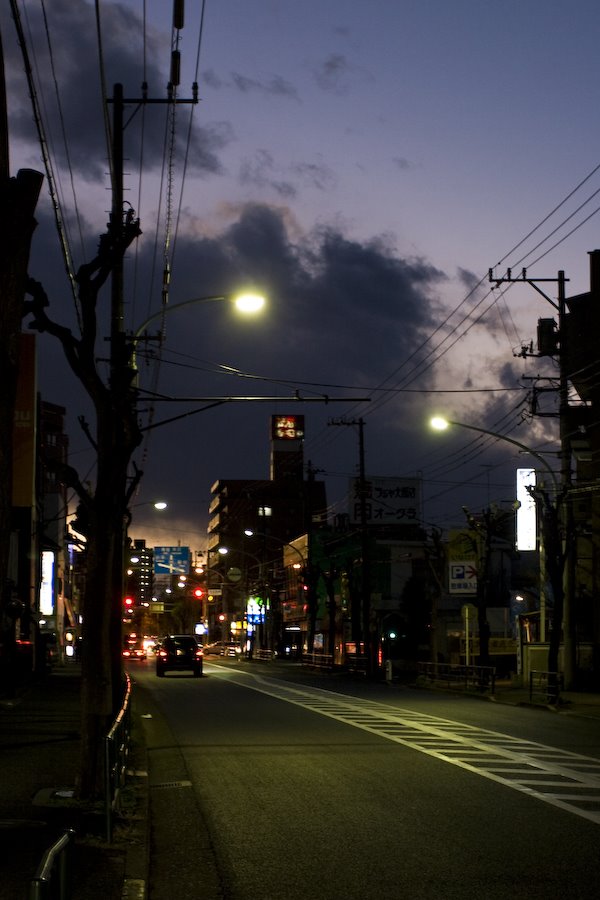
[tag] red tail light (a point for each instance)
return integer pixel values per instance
(199, 652)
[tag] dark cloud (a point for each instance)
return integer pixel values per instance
(74, 60)
(340, 308)
(402, 163)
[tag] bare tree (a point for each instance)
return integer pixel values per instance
(104, 506)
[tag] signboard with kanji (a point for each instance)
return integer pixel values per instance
(462, 577)
(388, 501)
(172, 560)
(287, 428)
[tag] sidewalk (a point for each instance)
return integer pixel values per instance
(39, 760)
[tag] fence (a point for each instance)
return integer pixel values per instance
(264, 655)
(53, 877)
(317, 661)
(545, 687)
(116, 752)
(473, 678)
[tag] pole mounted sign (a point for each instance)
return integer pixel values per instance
(172, 560)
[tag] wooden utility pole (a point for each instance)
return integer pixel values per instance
(564, 605)
(362, 625)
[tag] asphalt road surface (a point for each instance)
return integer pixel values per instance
(270, 784)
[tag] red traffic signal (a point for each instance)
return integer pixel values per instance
(128, 602)
(198, 592)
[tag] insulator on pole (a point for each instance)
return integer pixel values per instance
(175, 67)
(177, 14)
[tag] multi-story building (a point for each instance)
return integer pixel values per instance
(255, 520)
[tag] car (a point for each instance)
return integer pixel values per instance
(179, 652)
(134, 651)
(231, 649)
(213, 649)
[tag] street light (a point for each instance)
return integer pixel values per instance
(439, 423)
(271, 537)
(247, 303)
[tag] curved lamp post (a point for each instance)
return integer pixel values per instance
(246, 303)
(271, 537)
(439, 423)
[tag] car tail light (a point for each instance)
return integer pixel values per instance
(126, 653)
(162, 653)
(199, 652)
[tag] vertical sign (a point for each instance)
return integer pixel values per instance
(526, 511)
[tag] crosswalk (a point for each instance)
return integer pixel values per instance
(566, 780)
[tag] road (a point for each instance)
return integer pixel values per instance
(267, 783)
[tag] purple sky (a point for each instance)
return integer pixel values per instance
(364, 165)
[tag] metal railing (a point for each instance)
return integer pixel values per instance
(466, 678)
(317, 660)
(357, 662)
(264, 655)
(116, 751)
(545, 687)
(53, 877)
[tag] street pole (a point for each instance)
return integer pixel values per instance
(563, 604)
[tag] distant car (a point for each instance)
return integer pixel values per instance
(213, 649)
(179, 652)
(134, 651)
(231, 650)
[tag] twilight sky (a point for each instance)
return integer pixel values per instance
(364, 165)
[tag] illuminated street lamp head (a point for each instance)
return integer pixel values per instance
(249, 303)
(439, 423)
(160, 504)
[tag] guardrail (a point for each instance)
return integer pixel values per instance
(545, 687)
(357, 662)
(53, 877)
(317, 660)
(116, 751)
(479, 678)
(264, 655)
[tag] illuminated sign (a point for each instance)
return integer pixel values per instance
(47, 583)
(287, 428)
(526, 512)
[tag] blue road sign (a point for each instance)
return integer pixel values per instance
(172, 560)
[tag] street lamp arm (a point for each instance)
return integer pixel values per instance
(500, 437)
(171, 308)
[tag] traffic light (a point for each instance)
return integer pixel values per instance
(198, 593)
(128, 604)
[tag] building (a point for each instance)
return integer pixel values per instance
(255, 520)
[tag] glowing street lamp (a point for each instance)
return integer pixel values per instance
(246, 303)
(439, 423)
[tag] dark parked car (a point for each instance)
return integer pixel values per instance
(179, 652)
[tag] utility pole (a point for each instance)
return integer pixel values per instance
(362, 625)
(121, 355)
(563, 599)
